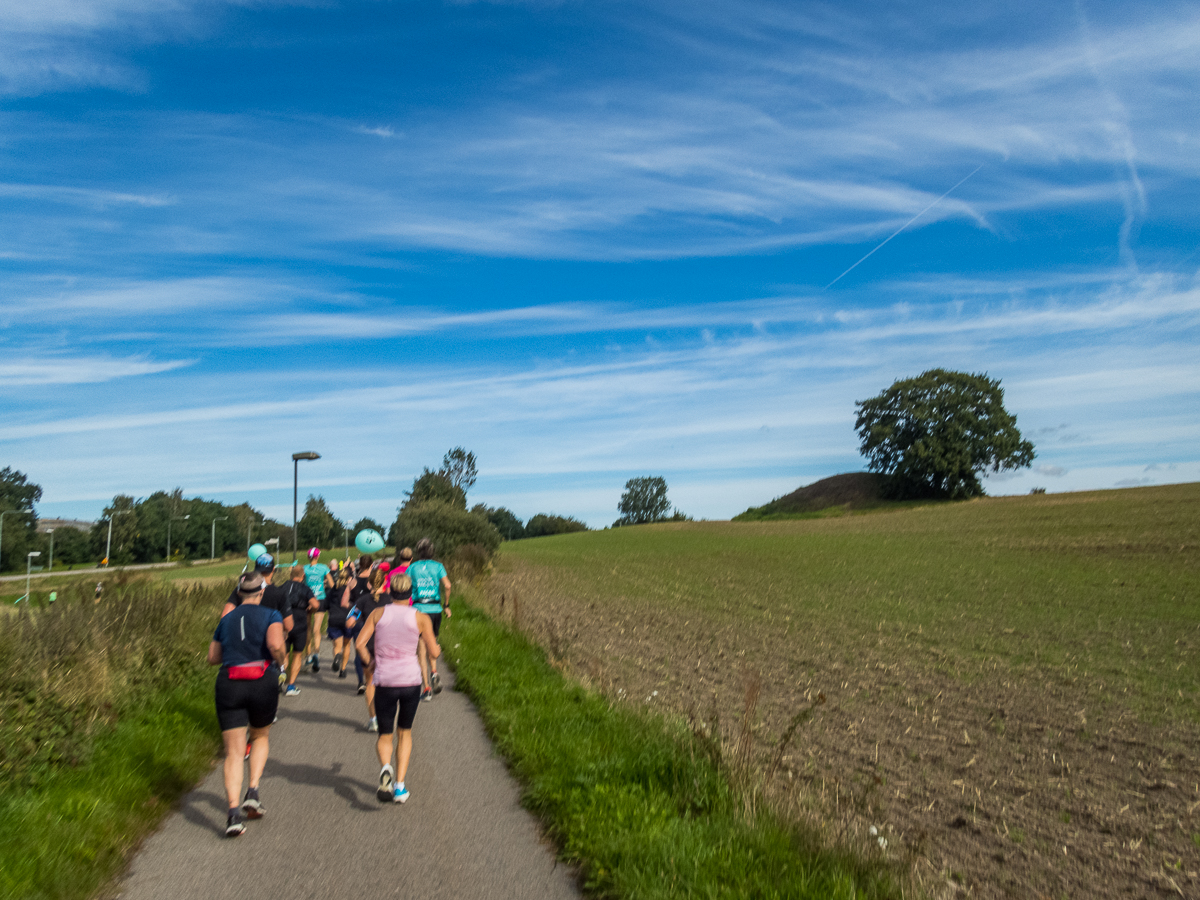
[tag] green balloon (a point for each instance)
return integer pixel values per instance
(256, 550)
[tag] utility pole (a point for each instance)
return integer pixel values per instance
(212, 548)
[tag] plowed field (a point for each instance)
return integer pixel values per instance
(1005, 690)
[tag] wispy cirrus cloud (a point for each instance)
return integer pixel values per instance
(66, 369)
(97, 199)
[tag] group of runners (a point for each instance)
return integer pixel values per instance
(388, 612)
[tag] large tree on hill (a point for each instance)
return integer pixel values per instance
(644, 500)
(935, 434)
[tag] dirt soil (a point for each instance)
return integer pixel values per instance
(981, 783)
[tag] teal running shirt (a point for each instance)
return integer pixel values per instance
(427, 575)
(314, 577)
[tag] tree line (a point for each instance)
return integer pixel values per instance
(166, 526)
(932, 436)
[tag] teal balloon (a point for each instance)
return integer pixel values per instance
(256, 550)
(368, 541)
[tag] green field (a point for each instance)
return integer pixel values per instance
(1039, 648)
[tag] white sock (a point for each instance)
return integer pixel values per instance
(388, 768)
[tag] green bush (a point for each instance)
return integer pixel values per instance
(446, 524)
(542, 525)
(505, 520)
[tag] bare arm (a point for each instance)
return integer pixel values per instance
(229, 607)
(445, 586)
(214, 653)
(368, 629)
(425, 627)
(275, 643)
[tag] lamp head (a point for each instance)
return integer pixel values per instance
(308, 454)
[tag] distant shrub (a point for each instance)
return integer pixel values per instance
(505, 520)
(543, 524)
(469, 561)
(1037, 490)
(447, 525)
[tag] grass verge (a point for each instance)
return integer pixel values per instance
(105, 721)
(642, 808)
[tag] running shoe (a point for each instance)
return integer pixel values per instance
(342, 673)
(401, 794)
(427, 695)
(436, 681)
(291, 691)
(373, 724)
(252, 807)
(385, 784)
(316, 663)
(337, 662)
(234, 825)
(362, 688)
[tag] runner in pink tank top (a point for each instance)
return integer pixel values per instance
(397, 629)
(396, 637)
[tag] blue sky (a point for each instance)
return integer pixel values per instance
(588, 241)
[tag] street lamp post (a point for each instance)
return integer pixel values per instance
(169, 521)
(7, 512)
(250, 531)
(346, 541)
(108, 546)
(28, 569)
(296, 457)
(50, 567)
(212, 547)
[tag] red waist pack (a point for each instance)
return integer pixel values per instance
(250, 671)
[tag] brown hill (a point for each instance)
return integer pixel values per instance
(851, 490)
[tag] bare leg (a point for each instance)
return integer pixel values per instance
(341, 647)
(314, 634)
(296, 662)
(403, 753)
(423, 659)
(235, 753)
(259, 748)
(370, 694)
(383, 747)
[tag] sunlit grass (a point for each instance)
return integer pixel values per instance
(1102, 582)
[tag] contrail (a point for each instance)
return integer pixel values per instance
(900, 229)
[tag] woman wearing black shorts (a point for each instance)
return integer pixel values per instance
(397, 629)
(244, 645)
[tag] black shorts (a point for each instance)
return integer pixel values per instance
(390, 699)
(242, 703)
(437, 622)
(298, 637)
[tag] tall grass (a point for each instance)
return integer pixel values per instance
(105, 719)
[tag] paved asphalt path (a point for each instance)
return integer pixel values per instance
(462, 833)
